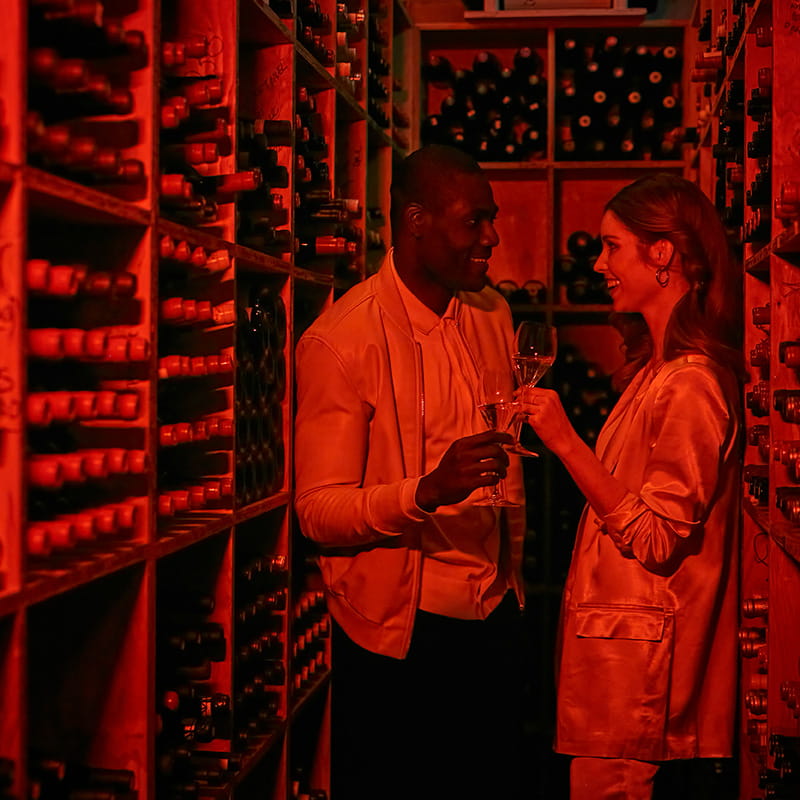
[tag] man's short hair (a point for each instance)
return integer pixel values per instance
(422, 177)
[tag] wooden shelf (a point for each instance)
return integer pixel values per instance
(8, 173)
(758, 513)
(673, 164)
(74, 570)
(73, 201)
(279, 500)
(301, 699)
(561, 15)
(758, 263)
(188, 529)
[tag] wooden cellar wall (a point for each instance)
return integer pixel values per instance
(744, 78)
(184, 186)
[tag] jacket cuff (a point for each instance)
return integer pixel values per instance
(408, 500)
(618, 523)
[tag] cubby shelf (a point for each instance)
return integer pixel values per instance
(741, 162)
(197, 320)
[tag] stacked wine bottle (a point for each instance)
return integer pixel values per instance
(378, 93)
(757, 220)
(617, 100)
(259, 663)
(263, 215)
(53, 778)
(729, 155)
(191, 711)
(196, 138)
(195, 316)
(574, 274)
(314, 31)
(310, 630)
(327, 240)
(493, 111)
(80, 120)
(260, 390)
(87, 462)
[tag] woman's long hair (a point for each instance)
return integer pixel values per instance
(707, 319)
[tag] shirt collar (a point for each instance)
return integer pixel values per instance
(421, 317)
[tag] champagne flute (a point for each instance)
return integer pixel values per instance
(534, 353)
(500, 411)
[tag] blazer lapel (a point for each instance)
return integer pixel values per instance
(405, 371)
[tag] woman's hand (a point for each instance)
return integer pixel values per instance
(545, 414)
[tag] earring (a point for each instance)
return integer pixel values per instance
(662, 276)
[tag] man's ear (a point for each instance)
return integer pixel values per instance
(417, 219)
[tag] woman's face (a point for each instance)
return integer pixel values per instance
(630, 279)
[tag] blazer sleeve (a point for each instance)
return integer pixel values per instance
(687, 439)
(331, 443)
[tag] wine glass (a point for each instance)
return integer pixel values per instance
(534, 352)
(500, 411)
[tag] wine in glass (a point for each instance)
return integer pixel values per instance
(500, 411)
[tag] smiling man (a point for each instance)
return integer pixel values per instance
(391, 455)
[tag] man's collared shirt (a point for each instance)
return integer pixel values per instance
(460, 543)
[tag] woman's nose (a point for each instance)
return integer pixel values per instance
(600, 264)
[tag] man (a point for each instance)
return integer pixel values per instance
(391, 454)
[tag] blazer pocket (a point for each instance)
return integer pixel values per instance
(614, 680)
(620, 622)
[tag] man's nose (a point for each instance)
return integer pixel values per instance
(489, 235)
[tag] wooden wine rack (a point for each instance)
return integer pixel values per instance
(83, 628)
(91, 606)
(746, 156)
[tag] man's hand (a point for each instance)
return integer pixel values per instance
(468, 464)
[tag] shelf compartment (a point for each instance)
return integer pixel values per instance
(259, 24)
(261, 600)
(194, 640)
(103, 136)
(88, 400)
(87, 674)
(260, 408)
(13, 724)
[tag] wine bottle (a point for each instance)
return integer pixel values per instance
(608, 53)
(527, 62)
(667, 60)
(569, 56)
(638, 60)
(438, 70)
(486, 66)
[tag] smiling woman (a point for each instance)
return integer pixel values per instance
(649, 607)
(683, 250)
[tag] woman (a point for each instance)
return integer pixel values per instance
(647, 667)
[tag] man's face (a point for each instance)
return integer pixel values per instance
(460, 236)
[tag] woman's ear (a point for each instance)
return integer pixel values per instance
(661, 252)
